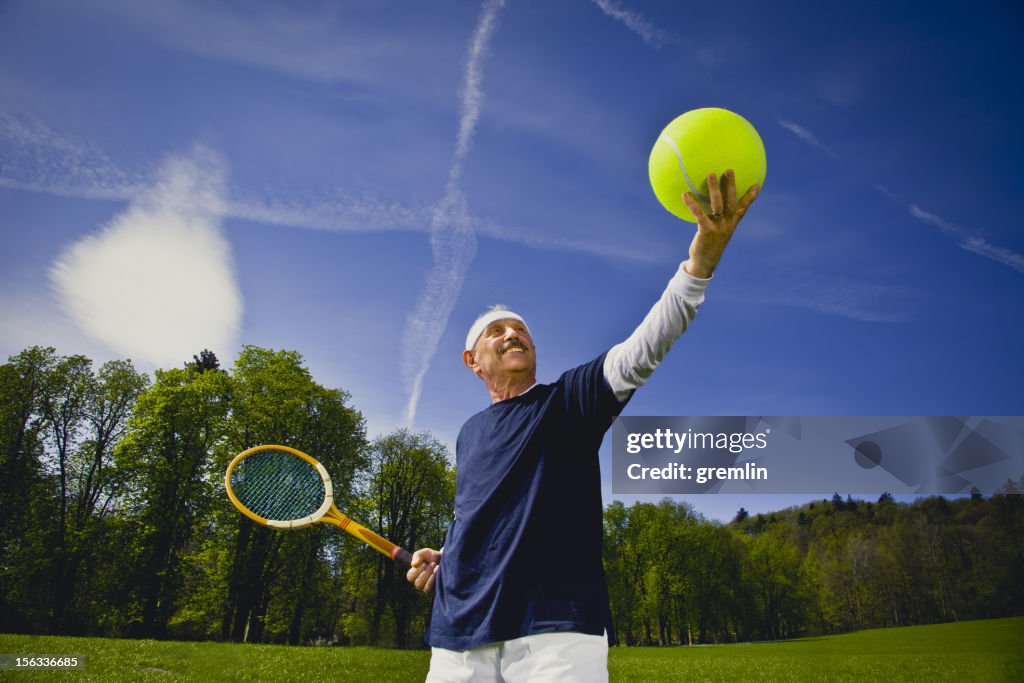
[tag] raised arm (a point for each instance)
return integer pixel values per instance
(628, 365)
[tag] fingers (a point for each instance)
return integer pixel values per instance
(729, 188)
(695, 208)
(722, 195)
(722, 192)
(715, 196)
(429, 577)
(425, 555)
(715, 229)
(421, 574)
(748, 198)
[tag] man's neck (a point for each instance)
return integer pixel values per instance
(511, 388)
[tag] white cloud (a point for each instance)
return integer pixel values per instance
(651, 34)
(157, 283)
(32, 318)
(707, 57)
(969, 240)
(807, 136)
(40, 159)
(472, 94)
(843, 76)
(452, 238)
(945, 227)
(537, 239)
(829, 294)
(843, 91)
(342, 213)
(308, 45)
(882, 189)
(37, 158)
(996, 253)
(453, 245)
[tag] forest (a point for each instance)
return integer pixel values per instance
(116, 524)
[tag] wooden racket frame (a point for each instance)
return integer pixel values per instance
(328, 513)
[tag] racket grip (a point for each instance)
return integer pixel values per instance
(403, 557)
(395, 552)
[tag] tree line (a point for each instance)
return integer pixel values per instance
(825, 567)
(115, 523)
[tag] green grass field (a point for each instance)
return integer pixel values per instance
(970, 651)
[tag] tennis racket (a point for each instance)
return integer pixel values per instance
(283, 488)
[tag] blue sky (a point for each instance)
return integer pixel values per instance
(358, 180)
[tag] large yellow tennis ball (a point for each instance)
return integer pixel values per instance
(698, 143)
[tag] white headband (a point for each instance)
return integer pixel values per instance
(486, 319)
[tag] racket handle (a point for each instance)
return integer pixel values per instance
(395, 552)
(403, 557)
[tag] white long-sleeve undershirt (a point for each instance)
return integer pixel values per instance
(628, 364)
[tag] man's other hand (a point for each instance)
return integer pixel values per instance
(425, 562)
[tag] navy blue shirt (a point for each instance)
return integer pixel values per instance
(523, 554)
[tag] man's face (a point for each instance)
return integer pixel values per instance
(504, 350)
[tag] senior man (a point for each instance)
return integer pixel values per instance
(520, 589)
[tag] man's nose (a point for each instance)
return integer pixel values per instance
(512, 333)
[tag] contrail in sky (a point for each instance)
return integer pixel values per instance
(651, 34)
(807, 136)
(970, 240)
(452, 237)
(42, 160)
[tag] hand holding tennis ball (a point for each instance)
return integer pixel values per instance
(715, 229)
(696, 166)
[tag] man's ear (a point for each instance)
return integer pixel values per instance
(469, 360)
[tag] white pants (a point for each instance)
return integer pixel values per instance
(556, 657)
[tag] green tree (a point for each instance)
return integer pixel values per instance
(164, 462)
(773, 571)
(89, 480)
(407, 495)
(25, 495)
(204, 361)
(633, 558)
(713, 566)
(60, 423)
(276, 401)
(67, 386)
(615, 559)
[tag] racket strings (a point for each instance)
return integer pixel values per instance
(277, 485)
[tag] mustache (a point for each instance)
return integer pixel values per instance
(511, 343)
